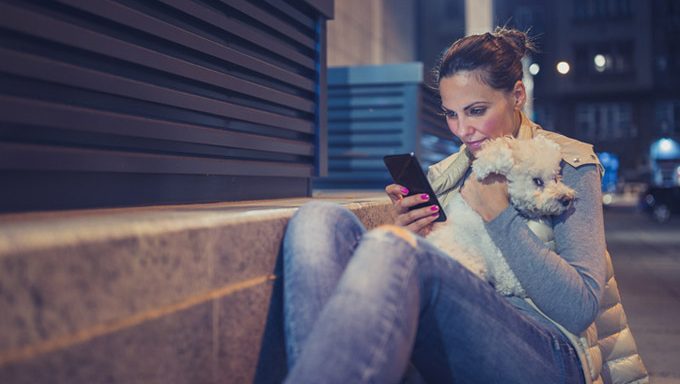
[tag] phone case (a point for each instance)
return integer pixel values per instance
(406, 170)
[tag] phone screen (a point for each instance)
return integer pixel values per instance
(406, 170)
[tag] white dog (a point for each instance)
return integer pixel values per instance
(532, 169)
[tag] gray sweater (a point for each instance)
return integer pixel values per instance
(566, 284)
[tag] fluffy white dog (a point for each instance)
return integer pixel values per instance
(532, 169)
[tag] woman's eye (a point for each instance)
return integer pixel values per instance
(538, 181)
(477, 111)
(449, 114)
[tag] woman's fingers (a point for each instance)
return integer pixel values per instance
(411, 201)
(415, 218)
(396, 192)
(423, 225)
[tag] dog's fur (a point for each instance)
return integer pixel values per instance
(532, 170)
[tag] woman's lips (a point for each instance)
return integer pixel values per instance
(475, 145)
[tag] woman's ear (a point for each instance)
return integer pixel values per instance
(519, 94)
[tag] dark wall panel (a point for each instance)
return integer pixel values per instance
(207, 91)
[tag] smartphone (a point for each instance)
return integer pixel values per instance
(406, 170)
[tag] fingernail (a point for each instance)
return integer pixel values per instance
(424, 196)
(435, 214)
(434, 208)
(404, 190)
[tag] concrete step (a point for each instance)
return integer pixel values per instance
(173, 294)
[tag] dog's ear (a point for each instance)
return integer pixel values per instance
(495, 156)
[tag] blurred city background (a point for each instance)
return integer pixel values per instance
(607, 72)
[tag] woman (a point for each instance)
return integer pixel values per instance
(360, 306)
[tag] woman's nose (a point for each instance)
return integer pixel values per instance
(464, 129)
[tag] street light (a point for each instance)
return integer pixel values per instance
(534, 69)
(600, 62)
(563, 67)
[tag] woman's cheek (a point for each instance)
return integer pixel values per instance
(492, 127)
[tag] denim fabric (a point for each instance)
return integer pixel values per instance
(359, 306)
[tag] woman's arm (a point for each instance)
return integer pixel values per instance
(566, 284)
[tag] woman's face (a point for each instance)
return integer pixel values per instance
(476, 112)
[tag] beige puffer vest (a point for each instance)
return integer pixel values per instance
(607, 348)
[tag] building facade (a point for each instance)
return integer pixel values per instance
(372, 32)
(620, 92)
(622, 88)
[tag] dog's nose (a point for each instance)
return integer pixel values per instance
(565, 201)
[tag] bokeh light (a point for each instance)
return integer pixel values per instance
(563, 67)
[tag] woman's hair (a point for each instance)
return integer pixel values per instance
(498, 55)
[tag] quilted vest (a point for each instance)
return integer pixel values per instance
(606, 348)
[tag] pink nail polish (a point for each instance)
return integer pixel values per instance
(424, 196)
(435, 214)
(434, 208)
(404, 190)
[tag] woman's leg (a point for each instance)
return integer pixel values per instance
(401, 297)
(319, 241)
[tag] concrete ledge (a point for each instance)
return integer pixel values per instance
(175, 294)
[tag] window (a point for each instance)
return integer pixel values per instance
(544, 116)
(604, 61)
(593, 10)
(667, 116)
(604, 121)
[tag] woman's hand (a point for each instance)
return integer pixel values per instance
(488, 197)
(418, 220)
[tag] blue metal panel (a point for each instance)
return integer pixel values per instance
(374, 111)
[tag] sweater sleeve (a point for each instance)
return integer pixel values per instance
(565, 284)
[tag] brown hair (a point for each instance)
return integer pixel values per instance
(498, 55)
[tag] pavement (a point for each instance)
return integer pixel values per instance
(646, 257)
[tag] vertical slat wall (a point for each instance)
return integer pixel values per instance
(111, 103)
(375, 111)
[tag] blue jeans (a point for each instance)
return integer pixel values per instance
(359, 306)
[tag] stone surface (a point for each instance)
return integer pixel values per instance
(52, 292)
(173, 349)
(242, 319)
(176, 294)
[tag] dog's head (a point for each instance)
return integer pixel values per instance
(532, 168)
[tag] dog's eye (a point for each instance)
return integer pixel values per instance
(538, 181)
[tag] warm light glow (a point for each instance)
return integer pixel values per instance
(563, 67)
(534, 69)
(600, 62)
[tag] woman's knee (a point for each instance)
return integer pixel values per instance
(322, 230)
(391, 245)
(316, 216)
(389, 230)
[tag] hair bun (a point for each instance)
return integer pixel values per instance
(520, 41)
(498, 55)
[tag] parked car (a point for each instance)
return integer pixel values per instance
(661, 202)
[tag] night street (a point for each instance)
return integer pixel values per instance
(646, 258)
